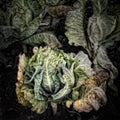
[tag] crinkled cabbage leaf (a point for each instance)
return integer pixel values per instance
(47, 37)
(26, 15)
(75, 27)
(97, 28)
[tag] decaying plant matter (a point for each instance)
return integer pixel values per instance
(50, 75)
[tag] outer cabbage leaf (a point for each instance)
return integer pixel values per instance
(48, 38)
(100, 27)
(75, 28)
(75, 24)
(25, 93)
(84, 64)
(103, 30)
(89, 94)
(94, 98)
(19, 14)
(31, 28)
(103, 62)
(83, 71)
(26, 97)
(36, 6)
(25, 16)
(103, 27)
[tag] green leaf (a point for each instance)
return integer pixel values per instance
(19, 15)
(75, 29)
(35, 6)
(83, 66)
(31, 28)
(100, 27)
(48, 38)
(49, 74)
(26, 16)
(68, 80)
(39, 92)
(103, 62)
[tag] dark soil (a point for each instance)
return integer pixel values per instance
(10, 109)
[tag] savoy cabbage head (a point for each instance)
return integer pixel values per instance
(53, 76)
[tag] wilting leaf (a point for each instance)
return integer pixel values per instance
(103, 30)
(92, 99)
(103, 62)
(26, 97)
(48, 38)
(103, 26)
(89, 95)
(100, 27)
(75, 28)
